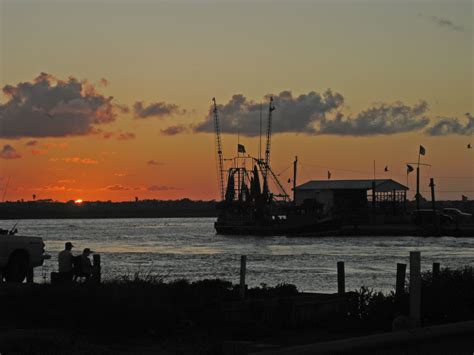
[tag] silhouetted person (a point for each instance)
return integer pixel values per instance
(83, 266)
(65, 259)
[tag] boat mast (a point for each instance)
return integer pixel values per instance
(220, 159)
(269, 139)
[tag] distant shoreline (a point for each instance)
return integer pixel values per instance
(101, 210)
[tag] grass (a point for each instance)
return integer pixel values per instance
(205, 313)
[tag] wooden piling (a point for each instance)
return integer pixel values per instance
(243, 265)
(401, 276)
(341, 281)
(96, 268)
(374, 201)
(30, 275)
(415, 287)
(436, 221)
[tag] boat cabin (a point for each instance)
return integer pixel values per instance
(354, 197)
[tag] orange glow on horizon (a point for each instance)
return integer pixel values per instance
(78, 202)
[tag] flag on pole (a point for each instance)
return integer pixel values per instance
(409, 169)
(386, 168)
(329, 174)
(240, 148)
(422, 150)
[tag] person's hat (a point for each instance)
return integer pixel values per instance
(87, 250)
(69, 244)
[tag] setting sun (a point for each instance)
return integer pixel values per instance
(78, 202)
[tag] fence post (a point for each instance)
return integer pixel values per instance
(401, 275)
(436, 268)
(96, 269)
(341, 282)
(30, 275)
(243, 265)
(415, 287)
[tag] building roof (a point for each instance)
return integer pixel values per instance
(381, 185)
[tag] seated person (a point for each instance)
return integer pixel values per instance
(83, 265)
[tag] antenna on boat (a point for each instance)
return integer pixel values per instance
(220, 159)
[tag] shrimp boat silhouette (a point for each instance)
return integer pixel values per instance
(247, 205)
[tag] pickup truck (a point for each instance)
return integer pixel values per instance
(19, 254)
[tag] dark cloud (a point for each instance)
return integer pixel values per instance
(50, 107)
(174, 130)
(162, 188)
(154, 163)
(385, 119)
(106, 135)
(315, 113)
(443, 23)
(126, 136)
(8, 152)
(293, 114)
(447, 126)
(31, 143)
(155, 109)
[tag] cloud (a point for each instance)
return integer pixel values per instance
(107, 135)
(31, 143)
(50, 107)
(443, 23)
(293, 114)
(126, 136)
(39, 151)
(76, 160)
(446, 126)
(154, 163)
(103, 82)
(61, 146)
(155, 109)
(315, 113)
(385, 119)
(174, 130)
(8, 152)
(117, 187)
(66, 181)
(162, 188)
(52, 188)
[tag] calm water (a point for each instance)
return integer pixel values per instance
(189, 248)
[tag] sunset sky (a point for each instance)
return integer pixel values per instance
(110, 100)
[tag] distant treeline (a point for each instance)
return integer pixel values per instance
(107, 209)
(146, 208)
